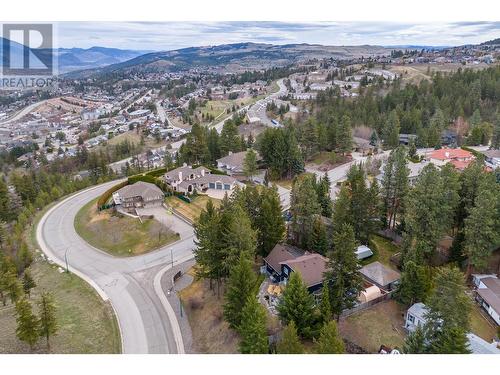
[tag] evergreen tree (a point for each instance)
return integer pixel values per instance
(270, 222)
(290, 342)
(323, 192)
(13, 286)
(325, 307)
(27, 323)
(395, 185)
(342, 275)
(240, 286)
(250, 164)
(253, 328)
(482, 227)
(344, 135)
(304, 207)
(448, 305)
(47, 322)
(318, 240)
(330, 341)
(391, 130)
(415, 284)
(450, 341)
(28, 283)
(415, 342)
(297, 305)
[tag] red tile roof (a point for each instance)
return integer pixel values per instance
(450, 153)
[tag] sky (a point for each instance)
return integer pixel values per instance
(163, 36)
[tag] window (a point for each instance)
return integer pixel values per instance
(211, 185)
(219, 186)
(227, 187)
(410, 318)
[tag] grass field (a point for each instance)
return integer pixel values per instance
(86, 323)
(380, 324)
(382, 251)
(121, 236)
(191, 210)
(211, 334)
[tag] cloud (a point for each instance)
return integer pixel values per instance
(174, 35)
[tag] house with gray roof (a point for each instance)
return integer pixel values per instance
(381, 275)
(232, 164)
(488, 296)
(138, 195)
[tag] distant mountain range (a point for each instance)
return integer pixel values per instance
(234, 57)
(69, 59)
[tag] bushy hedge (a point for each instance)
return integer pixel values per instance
(157, 172)
(103, 199)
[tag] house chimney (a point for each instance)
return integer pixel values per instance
(447, 154)
(230, 152)
(202, 172)
(180, 176)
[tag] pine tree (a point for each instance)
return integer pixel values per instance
(415, 284)
(323, 191)
(482, 227)
(270, 222)
(391, 130)
(325, 307)
(47, 321)
(297, 305)
(344, 135)
(343, 276)
(13, 286)
(28, 283)
(448, 305)
(318, 239)
(450, 341)
(304, 207)
(330, 341)
(27, 323)
(395, 185)
(250, 164)
(240, 286)
(290, 342)
(253, 328)
(415, 342)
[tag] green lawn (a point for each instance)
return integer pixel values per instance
(382, 249)
(86, 323)
(121, 235)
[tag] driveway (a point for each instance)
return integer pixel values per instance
(171, 221)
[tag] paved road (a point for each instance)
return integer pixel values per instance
(132, 285)
(23, 112)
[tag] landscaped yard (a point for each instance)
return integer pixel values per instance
(380, 324)
(382, 251)
(86, 323)
(135, 138)
(121, 235)
(192, 210)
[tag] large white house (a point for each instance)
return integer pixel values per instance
(187, 180)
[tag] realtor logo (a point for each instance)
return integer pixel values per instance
(27, 56)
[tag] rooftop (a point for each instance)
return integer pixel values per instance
(310, 266)
(379, 273)
(450, 153)
(141, 189)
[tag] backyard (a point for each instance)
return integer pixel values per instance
(121, 235)
(381, 324)
(191, 211)
(383, 249)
